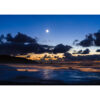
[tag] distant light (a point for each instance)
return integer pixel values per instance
(47, 31)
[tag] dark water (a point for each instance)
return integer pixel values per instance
(49, 76)
(72, 76)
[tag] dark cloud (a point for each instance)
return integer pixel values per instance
(67, 55)
(23, 44)
(20, 44)
(98, 50)
(97, 38)
(20, 38)
(2, 38)
(88, 41)
(86, 51)
(75, 42)
(60, 48)
(79, 52)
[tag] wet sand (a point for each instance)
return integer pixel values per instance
(50, 74)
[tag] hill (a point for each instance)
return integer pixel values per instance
(12, 59)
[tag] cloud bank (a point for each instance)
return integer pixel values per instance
(23, 44)
(90, 40)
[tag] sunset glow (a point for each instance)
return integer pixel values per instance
(33, 56)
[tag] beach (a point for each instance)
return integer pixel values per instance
(39, 74)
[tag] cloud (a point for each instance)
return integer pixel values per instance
(60, 48)
(20, 44)
(88, 41)
(20, 38)
(67, 55)
(79, 52)
(98, 50)
(75, 42)
(23, 44)
(97, 38)
(86, 51)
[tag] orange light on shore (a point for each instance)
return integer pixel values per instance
(28, 70)
(33, 56)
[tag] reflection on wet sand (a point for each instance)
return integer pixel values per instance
(88, 69)
(34, 68)
(29, 70)
(38, 66)
(66, 73)
(47, 73)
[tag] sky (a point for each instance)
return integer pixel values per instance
(51, 29)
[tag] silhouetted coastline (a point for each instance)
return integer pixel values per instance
(12, 59)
